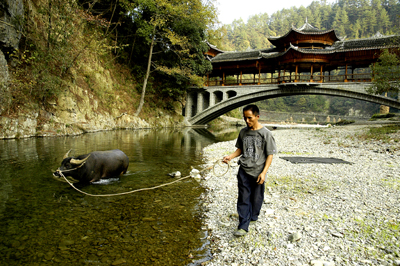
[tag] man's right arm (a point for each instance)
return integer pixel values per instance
(237, 153)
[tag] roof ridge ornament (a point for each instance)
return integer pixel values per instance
(308, 27)
(378, 35)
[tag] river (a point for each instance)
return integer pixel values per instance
(46, 222)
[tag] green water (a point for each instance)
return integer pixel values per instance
(46, 222)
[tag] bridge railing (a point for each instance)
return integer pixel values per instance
(364, 77)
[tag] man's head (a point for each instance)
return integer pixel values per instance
(251, 116)
(253, 108)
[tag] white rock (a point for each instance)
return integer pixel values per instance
(194, 172)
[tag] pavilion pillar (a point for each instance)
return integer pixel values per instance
(241, 76)
(372, 74)
(311, 72)
(284, 75)
(345, 74)
(322, 77)
(259, 75)
(352, 74)
(223, 79)
(279, 76)
(295, 73)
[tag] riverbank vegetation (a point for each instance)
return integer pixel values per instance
(104, 48)
(384, 133)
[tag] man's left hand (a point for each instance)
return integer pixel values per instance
(260, 179)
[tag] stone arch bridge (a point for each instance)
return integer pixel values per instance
(205, 104)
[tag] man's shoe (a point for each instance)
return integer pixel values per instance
(240, 232)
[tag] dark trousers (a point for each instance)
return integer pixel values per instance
(250, 200)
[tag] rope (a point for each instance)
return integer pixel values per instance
(143, 189)
(219, 163)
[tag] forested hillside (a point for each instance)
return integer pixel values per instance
(351, 19)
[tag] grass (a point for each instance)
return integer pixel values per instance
(379, 234)
(382, 116)
(298, 186)
(391, 183)
(381, 133)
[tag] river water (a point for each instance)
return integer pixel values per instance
(46, 222)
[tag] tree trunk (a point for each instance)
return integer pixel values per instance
(147, 73)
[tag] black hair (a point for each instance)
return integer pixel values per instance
(253, 108)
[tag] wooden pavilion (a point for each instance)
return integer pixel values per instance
(306, 54)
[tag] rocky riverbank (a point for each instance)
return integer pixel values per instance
(45, 124)
(314, 214)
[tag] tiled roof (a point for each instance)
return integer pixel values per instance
(240, 56)
(377, 41)
(307, 28)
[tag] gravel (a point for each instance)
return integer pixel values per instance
(313, 214)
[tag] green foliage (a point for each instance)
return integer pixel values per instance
(50, 48)
(180, 33)
(380, 116)
(170, 35)
(354, 19)
(344, 122)
(386, 71)
(381, 133)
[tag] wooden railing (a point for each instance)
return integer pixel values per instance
(291, 79)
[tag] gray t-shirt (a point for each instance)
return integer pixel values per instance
(256, 145)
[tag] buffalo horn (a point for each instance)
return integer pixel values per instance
(73, 161)
(66, 155)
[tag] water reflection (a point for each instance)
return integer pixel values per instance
(45, 222)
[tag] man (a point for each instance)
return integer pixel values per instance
(257, 146)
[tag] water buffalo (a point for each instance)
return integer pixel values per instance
(94, 166)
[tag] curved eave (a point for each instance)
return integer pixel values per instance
(285, 39)
(215, 48)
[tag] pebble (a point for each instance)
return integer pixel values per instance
(294, 237)
(175, 174)
(313, 214)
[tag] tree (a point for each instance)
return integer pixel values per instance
(384, 20)
(172, 34)
(386, 73)
(341, 21)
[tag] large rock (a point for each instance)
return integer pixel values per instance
(11, 16)
(4, 81)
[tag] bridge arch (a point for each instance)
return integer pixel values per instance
(253, 94)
